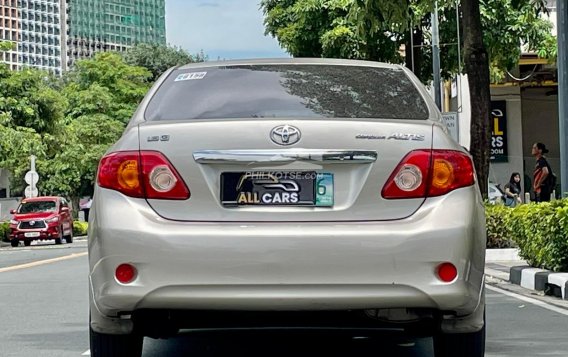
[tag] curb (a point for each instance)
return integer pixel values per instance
(553, 284)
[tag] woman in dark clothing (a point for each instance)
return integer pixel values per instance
(541, 172)
(513, 190)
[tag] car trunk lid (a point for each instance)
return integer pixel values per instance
(230, 165)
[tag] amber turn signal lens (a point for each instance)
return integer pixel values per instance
(443, 175)
(128, 174)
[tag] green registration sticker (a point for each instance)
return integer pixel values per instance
(324, 190)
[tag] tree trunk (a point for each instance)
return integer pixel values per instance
(75, 206)
(477, 68)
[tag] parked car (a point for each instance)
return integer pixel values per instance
(41, 218)
(297, 193)
(495, 193)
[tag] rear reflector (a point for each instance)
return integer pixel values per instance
(447, 272)
(125, 273)
(429, 173)
(143, 174)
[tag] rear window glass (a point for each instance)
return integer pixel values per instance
(290, 91)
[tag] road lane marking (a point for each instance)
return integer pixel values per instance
(529, 300)
(42, 262)
(86, 353)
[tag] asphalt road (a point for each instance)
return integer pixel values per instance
(44, 313)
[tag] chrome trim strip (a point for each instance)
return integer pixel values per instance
(284, 156)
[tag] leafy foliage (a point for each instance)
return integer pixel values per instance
(80, 228)
(377, 29)
(4, 231)
(68, 123)
(159, 58)
(498, 223)
(539, 230)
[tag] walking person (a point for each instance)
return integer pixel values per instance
(541, 174)
(513, 190)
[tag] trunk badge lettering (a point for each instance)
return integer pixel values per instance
(158, 138)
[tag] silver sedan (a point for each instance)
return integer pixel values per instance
(292, 193)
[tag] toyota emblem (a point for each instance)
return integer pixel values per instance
(32, 223)
(285, 135)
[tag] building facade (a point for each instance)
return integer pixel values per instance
(41, 39)
(9, 31)
(52, 34)
(104, 25)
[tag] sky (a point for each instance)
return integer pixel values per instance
(225, 29)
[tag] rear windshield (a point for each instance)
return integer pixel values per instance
(291, 91)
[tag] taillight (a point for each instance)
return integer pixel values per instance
(428, 173)
(143, 174)
(451, 170)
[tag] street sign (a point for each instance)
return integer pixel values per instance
(31, 192)
(452, 123)
(31, 178)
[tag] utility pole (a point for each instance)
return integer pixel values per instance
(436, 57)
(562, 64)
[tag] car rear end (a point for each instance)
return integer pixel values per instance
(293, 187)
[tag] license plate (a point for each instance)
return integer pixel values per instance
(282, 188)
(31, 234)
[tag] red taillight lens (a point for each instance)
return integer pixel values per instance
(430, 173)
(125, 273)
(409, 178)
(447, 272)
(144, 174)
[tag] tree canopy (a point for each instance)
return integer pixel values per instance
(159, 58)
(68, 123)
(378, 29)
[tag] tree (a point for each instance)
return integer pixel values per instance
(159, 58)
(31, 117)
(377, 29)
(68, 123)
(105, 84)
(103, 94)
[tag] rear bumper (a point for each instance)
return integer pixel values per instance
(287, 266)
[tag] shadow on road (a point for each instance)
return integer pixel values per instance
(272, 343)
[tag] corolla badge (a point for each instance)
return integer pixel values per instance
(285, 135)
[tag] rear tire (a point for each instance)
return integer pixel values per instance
(103, 345)
(15, 242)
(460, 344)
(69, 238)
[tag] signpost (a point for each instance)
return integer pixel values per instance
(31, 179)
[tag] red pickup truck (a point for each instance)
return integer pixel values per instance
(41, 218)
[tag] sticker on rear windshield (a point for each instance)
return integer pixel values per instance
(190, 76)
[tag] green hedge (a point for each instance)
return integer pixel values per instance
(4, 230)
(539, 230)
(80, 228)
